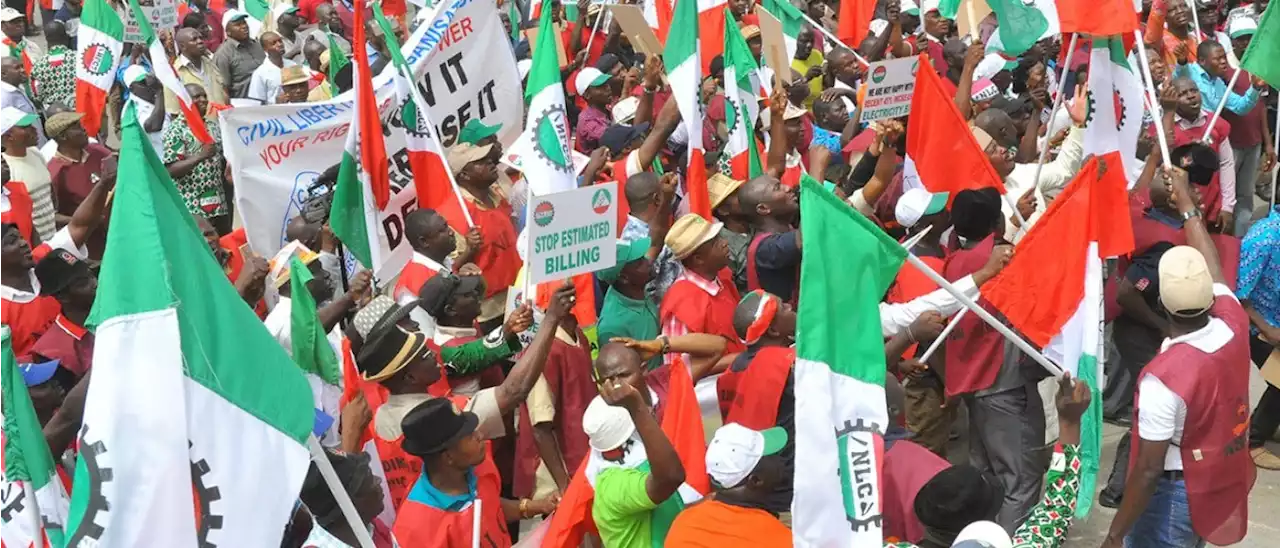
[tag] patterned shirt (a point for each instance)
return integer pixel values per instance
(202, 188)
(54, 77)
(1260, 254)
(666, 269)
(1047, 525)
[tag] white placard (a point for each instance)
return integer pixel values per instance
(573, 232)
(889, 86)
(163, 15)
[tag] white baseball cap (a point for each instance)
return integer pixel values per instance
(917, 203)
(607, 426)
(736, 450)
(12, 117)
(983, 534)
(9, 14)
(1241, 26)
(624, 111)
(588, 78)
(134, 73)
(1186, 288)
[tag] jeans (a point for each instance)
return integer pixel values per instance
(1247, 163)
(1167, 521)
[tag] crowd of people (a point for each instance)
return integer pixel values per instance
(455, 408)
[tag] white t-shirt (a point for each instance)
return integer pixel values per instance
(326, 396)
(144, 110)
(1162, 414)
(264, 83)
(32, 170)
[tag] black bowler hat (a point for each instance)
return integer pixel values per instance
(956, 497)
(434, 426)
(59, 269)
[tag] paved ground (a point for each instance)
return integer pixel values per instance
(1264, 502)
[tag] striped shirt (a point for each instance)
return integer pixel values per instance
(31, 169)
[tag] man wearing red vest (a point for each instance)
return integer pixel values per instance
(491, 245)
(391, 351)
(773, 256)
(1191, 472)
(432, 241)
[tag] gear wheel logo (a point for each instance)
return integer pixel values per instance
(1118, 102)
(203, 494)
(551, 143)
(859, 448)
(91, 457)
(732, 116)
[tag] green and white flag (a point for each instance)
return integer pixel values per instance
(311, 348)
(839, 372)
(1022, 23)
(546, 159)
(792, 20)
(31, 494)
(683, 60)
(196, 420)
(1114, 118)
(741, 83)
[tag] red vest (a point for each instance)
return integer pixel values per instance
(401, 469)
(19, 212)
(701, 312)
(414, 275)
(28, 321)
(568, 375)
(907, 467)
(1148, 232)
(750, 397)
(1215, 452)
(1211, 195)
(418, 524)
(975, 351)
(498, 261)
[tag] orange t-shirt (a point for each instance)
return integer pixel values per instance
(713, 524)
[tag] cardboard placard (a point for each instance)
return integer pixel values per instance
(531, 34)
(889, 86)
(775, 46)
(970, 17)
(636, 29)
(573, 232)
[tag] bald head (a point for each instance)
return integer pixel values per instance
(754, 192)
(641, 189)
(307, 233)
(999, 125)
(617, 361)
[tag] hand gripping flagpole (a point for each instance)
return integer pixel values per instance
(937, 343)
(358, 528)
(968, 303)
(1053, 113)
(1156, 114)
(600, 16)
(1217, 112)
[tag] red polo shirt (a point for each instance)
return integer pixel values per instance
(69, 343)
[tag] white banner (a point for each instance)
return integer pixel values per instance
(889, 88)
(465, 70)
(573, 232)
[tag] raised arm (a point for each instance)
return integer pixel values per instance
(528, 369)
(666, 473)
(1194, 226)
(668, 119)
(89, 214)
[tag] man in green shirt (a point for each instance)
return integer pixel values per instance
(633, 467)
(627, 311)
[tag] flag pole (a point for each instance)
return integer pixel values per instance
(340, 495)
(1274, 169)
(1217, 112)
(424, 117)
(475, 522)
(600, 16)
(928, 353)
(1141, 46)
(834, 40)
(1057, 103)
(1014, 338)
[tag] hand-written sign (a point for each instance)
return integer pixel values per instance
(573, 232)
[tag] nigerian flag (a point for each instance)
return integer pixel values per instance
(1022, 24)
(196, 420)
(546, 130)
(34, 502)
(840, 369)
(792, 20)
(1115, 104)
(740, 85)
(98, 48)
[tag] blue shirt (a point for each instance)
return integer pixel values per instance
(1259, 259)
(425, 493)
(1213, 88)
(831, 140)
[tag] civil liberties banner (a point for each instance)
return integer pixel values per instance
(572, 232)
(465, 70)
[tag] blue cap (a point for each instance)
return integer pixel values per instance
(38, 373)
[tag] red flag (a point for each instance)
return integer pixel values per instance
(1097, 17)
(682, 423)
(1044, 284)
(946, 155)
(572, 519)
(665, 15)
(855, 21)
(373, 149)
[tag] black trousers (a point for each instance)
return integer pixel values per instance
(1266, 417)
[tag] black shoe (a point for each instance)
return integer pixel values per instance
(1108, 499)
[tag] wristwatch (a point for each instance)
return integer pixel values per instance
(666, 344)
(1188, 215)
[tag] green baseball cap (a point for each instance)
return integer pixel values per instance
(476, 131)
(628, 252)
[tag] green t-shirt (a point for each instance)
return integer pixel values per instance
(622, 509)
(622, 316)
